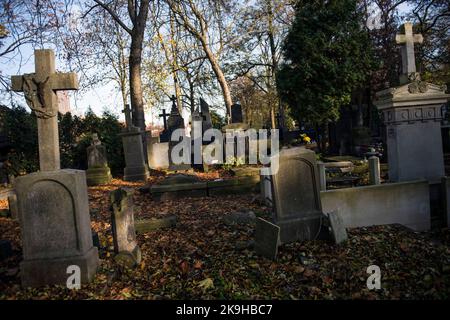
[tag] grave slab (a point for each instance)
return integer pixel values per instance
(55, 226)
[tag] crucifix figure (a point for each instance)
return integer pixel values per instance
(174, 104)
(40, 89)
(407, 41)
(164, 115)
(127, 112)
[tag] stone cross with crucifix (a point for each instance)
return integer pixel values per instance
(407, 41)
(40, 89)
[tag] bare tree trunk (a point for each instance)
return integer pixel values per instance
(274, 66)
(137, 102)
(173, 45)
(200, 32)
(220, 77)
(191, 92)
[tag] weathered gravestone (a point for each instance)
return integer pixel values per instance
(122, 223)
(136, 168)
(296, 201)
(296, 195)
(98, 171)
(53, 204)
(176, 122)
(412, 114)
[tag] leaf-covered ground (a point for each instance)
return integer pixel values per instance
(204, 258)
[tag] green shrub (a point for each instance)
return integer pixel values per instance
(75, 135)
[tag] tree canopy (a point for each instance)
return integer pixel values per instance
(327, 55)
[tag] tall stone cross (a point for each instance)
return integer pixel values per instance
(164, 115)
(127, 112)
(40, 89)
(407, 41)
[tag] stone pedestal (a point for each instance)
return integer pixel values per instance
(136, 169)
(97, 176)
(55, 225)
(412, 114)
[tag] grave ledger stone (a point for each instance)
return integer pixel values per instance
(412, 114)
(52, 204)
(98, 171)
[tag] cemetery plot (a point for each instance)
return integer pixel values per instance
(209, 254)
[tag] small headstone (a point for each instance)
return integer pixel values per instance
(122, 224)
(338, 231)
(236, 114)
(98, 171)
(5, 249)
(267, 238)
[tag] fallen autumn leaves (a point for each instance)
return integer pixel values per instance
(204, 258)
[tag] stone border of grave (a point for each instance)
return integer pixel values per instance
(147, 225)
(239, 185)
